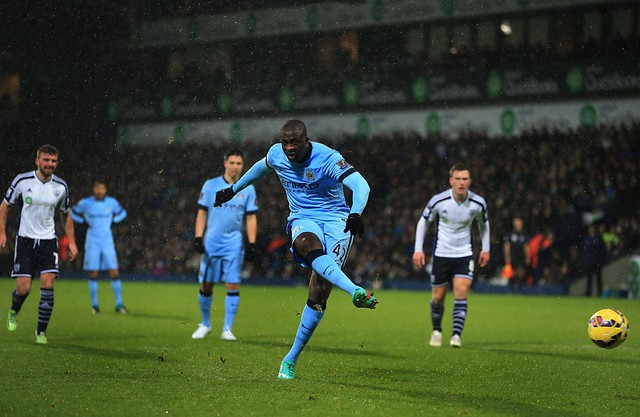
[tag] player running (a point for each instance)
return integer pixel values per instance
(320, 223)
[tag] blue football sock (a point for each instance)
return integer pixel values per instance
(437, 311)
(308, 322)
(329, 270)
(230, 309)
(116, 286)
(93, 292)
(459, 315)
(205, 308)
(45, 308)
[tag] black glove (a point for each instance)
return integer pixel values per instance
(354, 225)
(198, 245)
(250, 253)
(223, 196)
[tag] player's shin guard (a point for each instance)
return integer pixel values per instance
(45, 308)
(205, 301)
(459, 316)
(329, 270)
(17, 301)
(437, 311)
(231, 303)
(311, 316)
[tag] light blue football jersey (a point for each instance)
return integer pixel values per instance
(314, 188)
(223, 235)
(98, 214)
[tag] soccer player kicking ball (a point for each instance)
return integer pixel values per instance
(320, 223)
(455, 210)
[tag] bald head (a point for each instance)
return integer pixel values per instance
(294, 127)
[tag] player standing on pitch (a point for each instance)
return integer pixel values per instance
(321, 224)
(41, 194)
(455, 210)
(99, 211)
(219, 239)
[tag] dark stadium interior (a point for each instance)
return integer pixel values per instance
(59, 79)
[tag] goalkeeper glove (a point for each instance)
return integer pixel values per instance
(223, 196)
(198, 245)
(354, 225)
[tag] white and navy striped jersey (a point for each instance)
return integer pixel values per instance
(39, 202)
(453, 239)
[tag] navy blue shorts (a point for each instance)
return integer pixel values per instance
(444, 269)
(35, 256)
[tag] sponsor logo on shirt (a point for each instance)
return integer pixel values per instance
(31, 201)
(299, 185)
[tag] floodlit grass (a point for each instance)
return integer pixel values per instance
(521, 356)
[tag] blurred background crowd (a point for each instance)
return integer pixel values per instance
(559, 183)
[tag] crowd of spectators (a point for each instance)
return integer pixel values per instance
(374, 59)
(559, 182)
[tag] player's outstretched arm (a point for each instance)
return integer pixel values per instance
(258, 171)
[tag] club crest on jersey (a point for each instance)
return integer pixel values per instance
(56, 193)
(343, 164)
(309, 175)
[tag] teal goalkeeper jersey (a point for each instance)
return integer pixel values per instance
(314, 188)
(223, 235)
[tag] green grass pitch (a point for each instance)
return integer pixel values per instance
(521, 356)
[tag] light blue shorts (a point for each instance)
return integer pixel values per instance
(99, 256)
(220, 268)
(335, 241)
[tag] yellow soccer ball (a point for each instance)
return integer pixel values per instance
(608, 328)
